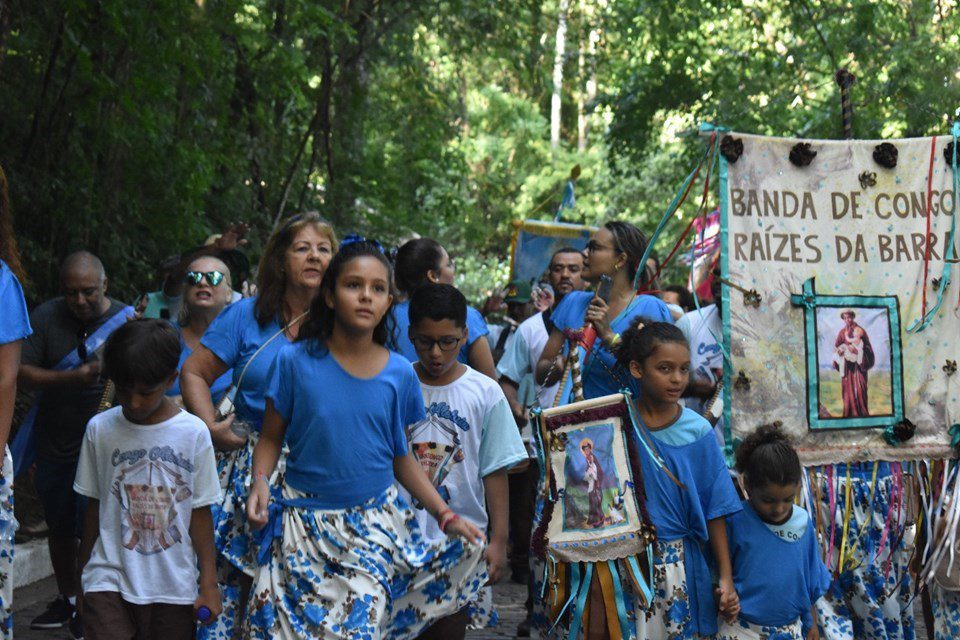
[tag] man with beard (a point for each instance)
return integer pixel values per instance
(519, 361)
(703, 329)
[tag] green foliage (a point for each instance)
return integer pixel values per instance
(135, 129)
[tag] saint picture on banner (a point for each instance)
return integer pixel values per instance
(590, 500)
(854, 362)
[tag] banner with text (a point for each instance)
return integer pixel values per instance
(830, 270)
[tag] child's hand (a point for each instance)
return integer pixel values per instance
(729, 600)
(210, 598)
(496, 557)
(814, 633)
(257, 504)
(462, 528)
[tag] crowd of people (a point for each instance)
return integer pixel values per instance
(345, 449)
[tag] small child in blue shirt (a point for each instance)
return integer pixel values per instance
(777, 568)
(466, 443)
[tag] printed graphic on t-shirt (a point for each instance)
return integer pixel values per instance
(435, 443)
(148, 491)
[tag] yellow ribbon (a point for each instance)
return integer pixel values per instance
(846, 522)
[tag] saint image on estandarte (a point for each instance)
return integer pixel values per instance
(853, 348)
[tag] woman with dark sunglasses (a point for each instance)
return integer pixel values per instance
(207, 290)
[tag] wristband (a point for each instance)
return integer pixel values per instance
(448, 517)
(259, 475)
(614, 340)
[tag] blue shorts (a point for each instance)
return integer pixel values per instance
(63, 507)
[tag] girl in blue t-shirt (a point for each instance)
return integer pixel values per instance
(422, 261)
(772, 531)
(687, 500)
(341, 553)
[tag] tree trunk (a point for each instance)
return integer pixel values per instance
(555, 100)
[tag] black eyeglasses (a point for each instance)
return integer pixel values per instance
(82, 336)
(593, 245)
(196, 277)
(446, 343)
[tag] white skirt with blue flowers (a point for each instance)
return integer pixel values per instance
(362, 572)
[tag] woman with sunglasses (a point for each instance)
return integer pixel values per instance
(615, 251)
(246, 338)
(422, 261)
(207, 290)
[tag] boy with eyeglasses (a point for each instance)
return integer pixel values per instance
(467, 442)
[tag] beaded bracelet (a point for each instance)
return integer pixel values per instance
(261, 475)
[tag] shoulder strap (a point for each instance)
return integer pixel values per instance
(243, 372)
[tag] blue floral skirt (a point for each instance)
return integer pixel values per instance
(871, 598)
(743, 630)
(362, 572)
(6, 550)
(946, 613)
(236, 555)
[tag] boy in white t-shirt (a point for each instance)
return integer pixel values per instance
(149, 472)
(469, 439)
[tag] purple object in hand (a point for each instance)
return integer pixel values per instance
(203, 614)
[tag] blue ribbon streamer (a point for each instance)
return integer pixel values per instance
(572, 593)
(581, 603)
(950, 255)
(621, 607)
(645, 588)
(671, 209)
(635, 420)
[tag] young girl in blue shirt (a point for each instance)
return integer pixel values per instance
(341, 553)
(773, 532)
(689, 505)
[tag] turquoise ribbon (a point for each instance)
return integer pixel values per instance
(950, 254)
(621, 607)
(646, 588)
(955, 436)
(572, 591)
(581, 603)
(635, 420)
(671, 209)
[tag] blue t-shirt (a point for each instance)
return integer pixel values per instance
(690, 450)
(14, 321)
(343, 432)
(800, 577)
(602, 378)
(220, 385)
(476, 326)
(234, 337)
